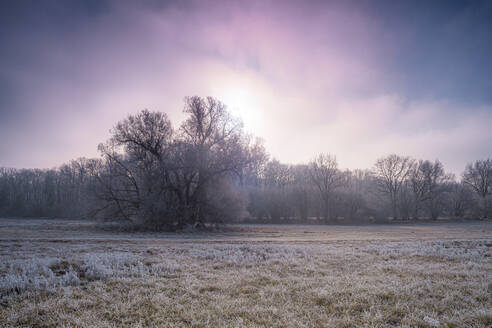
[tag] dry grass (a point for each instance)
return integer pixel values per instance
(272, 276)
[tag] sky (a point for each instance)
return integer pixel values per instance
(356, 79)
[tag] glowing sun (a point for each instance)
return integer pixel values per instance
(241, 102)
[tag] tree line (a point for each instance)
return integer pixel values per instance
(208, 169)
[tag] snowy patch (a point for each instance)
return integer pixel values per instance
(45, 273)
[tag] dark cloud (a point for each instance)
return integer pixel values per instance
(439, 49)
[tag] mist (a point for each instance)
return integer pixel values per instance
(345, 78)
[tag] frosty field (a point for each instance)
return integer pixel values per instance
(65, 273)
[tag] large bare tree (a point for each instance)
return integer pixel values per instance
(166, 178)
(217, 147)
(135, 178)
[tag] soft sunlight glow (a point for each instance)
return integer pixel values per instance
(243, 103)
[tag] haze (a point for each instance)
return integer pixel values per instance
(359, 79)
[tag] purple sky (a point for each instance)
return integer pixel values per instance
(358, 79)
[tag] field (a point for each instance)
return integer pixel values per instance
(65, 273)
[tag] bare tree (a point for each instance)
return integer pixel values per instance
(478, 176)
(391, 173)
(429, 181)
(64, 191)
(301, 190)
(217, 146)
(325, 175)
(209, 170)
(355, 191)
(278, 178)
(166, 179)
(135, 177)
(460, 200)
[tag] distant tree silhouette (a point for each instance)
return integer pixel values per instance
(478, 176)
(324, 174)
(391, 174)
(208, 170)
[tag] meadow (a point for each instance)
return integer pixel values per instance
(68, 273)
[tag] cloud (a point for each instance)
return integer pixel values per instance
(317, 77)
(360, 131)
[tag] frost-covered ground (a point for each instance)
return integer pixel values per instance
(66, 274)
